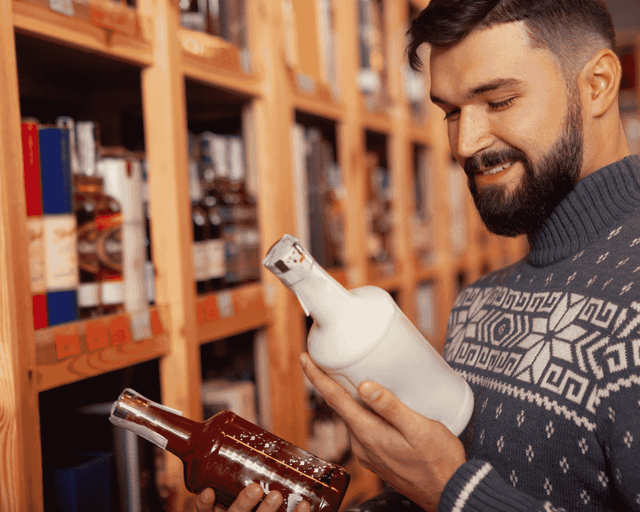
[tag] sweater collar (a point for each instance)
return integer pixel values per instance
(597, 204)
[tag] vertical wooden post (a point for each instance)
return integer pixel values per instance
(165, 123)
(351, 143)
(401, 163)
(273, 117)
(20, 456)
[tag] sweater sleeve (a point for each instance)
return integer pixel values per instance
(477, 487)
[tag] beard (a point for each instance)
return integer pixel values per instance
(542, 187)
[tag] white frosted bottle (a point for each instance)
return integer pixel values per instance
(362, 335)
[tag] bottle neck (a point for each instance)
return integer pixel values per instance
(161, 425)
(321, 296)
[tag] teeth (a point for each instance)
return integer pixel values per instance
(497, 169)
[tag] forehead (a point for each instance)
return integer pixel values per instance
(500, 52)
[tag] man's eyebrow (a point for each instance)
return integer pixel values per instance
(493, 85)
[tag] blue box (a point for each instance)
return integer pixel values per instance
(85, 486)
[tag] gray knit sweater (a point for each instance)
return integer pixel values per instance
(551, 349)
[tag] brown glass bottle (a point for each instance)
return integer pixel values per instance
(86, 196)
(227, 453)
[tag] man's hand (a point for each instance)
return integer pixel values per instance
(248, 498)
(413, 454)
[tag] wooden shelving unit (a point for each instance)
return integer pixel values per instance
(269, 88)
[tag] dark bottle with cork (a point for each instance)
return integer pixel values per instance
(227, 453)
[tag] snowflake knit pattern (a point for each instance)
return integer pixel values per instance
(551, 349)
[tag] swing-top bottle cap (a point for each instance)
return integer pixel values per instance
(288, 260)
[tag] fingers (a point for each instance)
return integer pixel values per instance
(205, 500)
(387, 405)
(358, 418)
(248, 498)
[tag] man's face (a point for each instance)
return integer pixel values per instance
(513, 125)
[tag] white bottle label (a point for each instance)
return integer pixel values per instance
(200, 261)
(35, 229)
(133, 264)
(140, 322)
(61, 255)
(215, 252)
(112, 292)
(88, 295)
(150, 281)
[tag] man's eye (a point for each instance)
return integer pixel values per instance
(499, 105)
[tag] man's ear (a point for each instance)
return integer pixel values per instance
(600, 82)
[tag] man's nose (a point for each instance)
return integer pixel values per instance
(473, 134)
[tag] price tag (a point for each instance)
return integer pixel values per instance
(209, 309)
(96, 334)
(67, 340)
(119, 330)
(112, 17)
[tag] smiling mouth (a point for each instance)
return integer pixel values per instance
(496, 170)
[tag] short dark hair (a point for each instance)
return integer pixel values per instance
(565, 27)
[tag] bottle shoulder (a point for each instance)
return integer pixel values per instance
(359, 329)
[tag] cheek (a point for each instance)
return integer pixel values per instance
(538, 126)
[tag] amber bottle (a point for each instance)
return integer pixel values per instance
(227, 453)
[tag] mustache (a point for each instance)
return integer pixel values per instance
(493, 158)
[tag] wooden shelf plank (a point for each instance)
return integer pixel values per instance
(96, 31)
(376, 121)
(385, 275)
(214, 61)
(314, 97)
(71, 352)
(231, 312)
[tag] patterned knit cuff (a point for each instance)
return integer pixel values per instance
(477, 487)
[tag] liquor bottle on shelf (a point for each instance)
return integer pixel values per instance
(212, 204)
(420, 221)
(149, 268)
(227, 453)
(111, 166)
(371, 75)
(244, 213)
(316, 196)
(193, 15)
(232, 21)
(362, 335)
(379, 219)
(87, 194)
(226, 201)
(200, 223)
(61, 257)
(87, 198)
(133, 250)
(35, 223)
(334, 210)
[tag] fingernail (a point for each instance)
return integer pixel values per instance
(207, 495)
(369, 390)
(254, 491)
(273, 497)
(303, 359)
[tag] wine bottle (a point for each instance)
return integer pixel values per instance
(227, 453)
(362, 335)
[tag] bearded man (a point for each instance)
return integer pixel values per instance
(550, 345)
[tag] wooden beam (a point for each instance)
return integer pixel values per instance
(20, 458)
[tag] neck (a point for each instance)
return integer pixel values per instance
(598, 204)
(605, 143)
